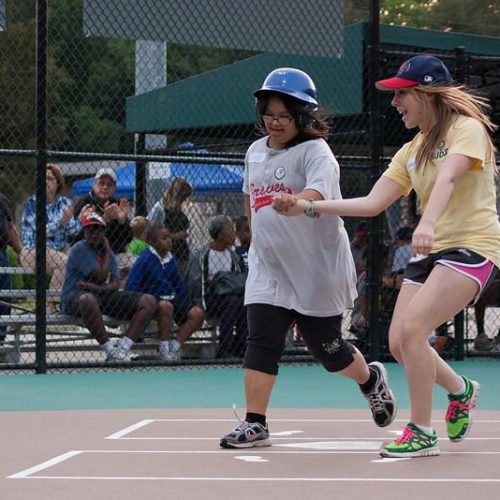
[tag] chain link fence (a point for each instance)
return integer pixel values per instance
(124, 100)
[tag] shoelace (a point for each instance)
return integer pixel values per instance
(456, 406)
(376, 404)
(245, 426)
(240, 420)
(406, 436)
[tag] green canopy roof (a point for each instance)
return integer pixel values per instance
(224, 97)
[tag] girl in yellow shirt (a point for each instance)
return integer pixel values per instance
(455, 247)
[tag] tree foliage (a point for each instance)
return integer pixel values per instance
(480, 17)
(89, 78)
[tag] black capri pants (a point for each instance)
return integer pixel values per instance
(267, 329)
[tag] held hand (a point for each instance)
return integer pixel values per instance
(423, 239)
(288, 204)
(111, 211)
(123, 208)
(124, 205)
(283, 201)
(88, 208)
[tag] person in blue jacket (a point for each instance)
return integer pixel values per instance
(156, 272)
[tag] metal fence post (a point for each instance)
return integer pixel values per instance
(375, 226)
(459, 319)
(41, 193)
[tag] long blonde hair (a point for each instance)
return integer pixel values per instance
(440, 106)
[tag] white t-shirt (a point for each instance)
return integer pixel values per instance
(297, 262)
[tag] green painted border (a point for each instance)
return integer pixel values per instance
(297, 387)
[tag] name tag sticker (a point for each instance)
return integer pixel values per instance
(257, 157)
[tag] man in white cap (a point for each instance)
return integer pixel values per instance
(115, 212)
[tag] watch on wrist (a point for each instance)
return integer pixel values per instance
(309, 210)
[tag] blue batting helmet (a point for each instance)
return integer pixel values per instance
(292, 82)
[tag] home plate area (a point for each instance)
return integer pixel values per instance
(335, 446)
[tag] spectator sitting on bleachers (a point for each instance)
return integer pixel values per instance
(91, 290)
(358, 245)
(169, 212)
(139, 226)
(402, 249)
(114, 212)
(155, 272)
(8, 236)
(61, 225)
(244, 236)
(216, 280)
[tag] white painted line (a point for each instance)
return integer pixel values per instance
(293, 438)
(251, 458)
(336, 445)
(277, 479)
(286, 433)
(128, 430)
(28, 473)
(389, 460)
(325, 420)
(45, 465)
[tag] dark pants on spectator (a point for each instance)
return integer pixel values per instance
(5, 284)
(231, 313)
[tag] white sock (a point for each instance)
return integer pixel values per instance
(163, 345)
(108, 347)
(461, 391)
(175, 345)
(428, 430)
(125, 344)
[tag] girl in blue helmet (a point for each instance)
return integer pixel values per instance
(300, 269)
(450, 163)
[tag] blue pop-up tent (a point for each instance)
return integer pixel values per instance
(206, 178)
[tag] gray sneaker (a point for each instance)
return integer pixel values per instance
(120, 356)
(483, 343)
(381, 399)
(171, 353)
(495, 348)
(247, 435)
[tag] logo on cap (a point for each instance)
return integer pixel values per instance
(93, 219)
(404, 67)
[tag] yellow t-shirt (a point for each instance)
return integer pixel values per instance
(470, 219)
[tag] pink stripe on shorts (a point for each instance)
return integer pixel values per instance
(480, 273)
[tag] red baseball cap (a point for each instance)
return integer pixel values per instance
(419, 70)
(93, 219)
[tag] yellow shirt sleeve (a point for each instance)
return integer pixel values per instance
(467, 137)
(399, 168)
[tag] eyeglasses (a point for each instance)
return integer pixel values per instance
(50, 178)
(282, 119)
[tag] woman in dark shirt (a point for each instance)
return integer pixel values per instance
(169, 212)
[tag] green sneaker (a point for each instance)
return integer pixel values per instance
(459, 414)
(412, 443)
